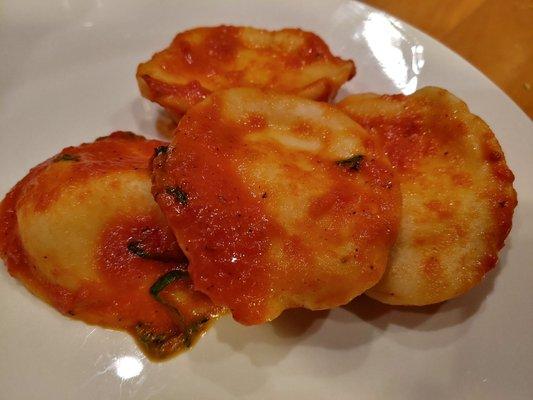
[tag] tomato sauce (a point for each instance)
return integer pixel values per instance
(120, 151)
(169, 94)
(415, 136)
(134, 251)
(15, 257)
(457, 190)
(206, 59)
(216, 48)
(226, 214)
(225, 229)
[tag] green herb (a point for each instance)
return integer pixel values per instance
(162, 283)
(166, 343)
(197, 326)
(137, 248)
(178, 194)
(166, 280)
(67, 157)
(353, 163)
(146, 335)
(160, 344)
(192, 330)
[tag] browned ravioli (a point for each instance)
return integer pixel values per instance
(202, 60)
(457, 193)
(278, 202)
(82, 232)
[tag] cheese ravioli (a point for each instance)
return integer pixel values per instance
(203, 60)
(278, 202)
(458, 198)
(82, 232)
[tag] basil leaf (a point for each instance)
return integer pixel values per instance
(166, 280)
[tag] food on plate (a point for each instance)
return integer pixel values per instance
(267, 198)
(277, 201)
(457, 193)
(83, 233)
(202, 60)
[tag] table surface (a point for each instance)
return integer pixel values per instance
(496, 36)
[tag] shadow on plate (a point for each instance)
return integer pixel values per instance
(431, 317)
(361, 321)
(165, 125)
(144, 118)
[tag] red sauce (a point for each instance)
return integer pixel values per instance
(227, 213)
(171, 94)
(203, 60)
(210, 55)
(415, 134)
(226, 231)
(219, 46)
(120, 297)
(434, 129)
(405, 142)
(124, 298)
(313, 50)
(15, 257)
(413, 137)
(122, 151)
(254, 122)
(359, 206)
(462, 179)
(441, 211)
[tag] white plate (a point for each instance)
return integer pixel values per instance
(67, 76)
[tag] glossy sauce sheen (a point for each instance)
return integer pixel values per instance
(458, 198)
(269, 219)
(203, 60)
(67, 231)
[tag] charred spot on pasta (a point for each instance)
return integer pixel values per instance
(178, 194)
(352, 163)
(457, 193)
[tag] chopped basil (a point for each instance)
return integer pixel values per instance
(193, 330)
(137, 248)
(353, 163)
(161, 344)
(147, 335)
(166, 280)
(178, 194)
(67, 157)
(188, 330)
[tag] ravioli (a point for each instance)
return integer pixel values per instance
(458, 198)
(277, 202)
(83, 233)
(203, 60)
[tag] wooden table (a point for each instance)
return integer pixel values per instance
(494, 35)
